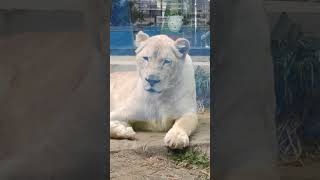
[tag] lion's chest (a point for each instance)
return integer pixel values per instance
(155, 126)
(156, 115)
(158, 108)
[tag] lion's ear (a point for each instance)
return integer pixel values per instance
(140, 37)
(183, 46)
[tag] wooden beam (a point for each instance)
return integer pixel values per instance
(292, 7)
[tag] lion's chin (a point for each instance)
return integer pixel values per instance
(153, 91)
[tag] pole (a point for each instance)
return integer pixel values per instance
(195, 22)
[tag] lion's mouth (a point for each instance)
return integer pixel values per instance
(151, 90)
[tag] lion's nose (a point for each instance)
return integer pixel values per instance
(152, 80)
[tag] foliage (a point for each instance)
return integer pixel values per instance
(297, 74)
(136, 15)
(186, 19)
(170, 11)
(190, 158)
(202, 88)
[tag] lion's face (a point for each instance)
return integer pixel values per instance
(159, 61)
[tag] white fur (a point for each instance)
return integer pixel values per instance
(172, 102)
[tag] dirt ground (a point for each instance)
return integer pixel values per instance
(132, 164)
(128, 161)
(129, 165)
(137, 166)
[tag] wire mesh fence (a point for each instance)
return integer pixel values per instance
(297, 76)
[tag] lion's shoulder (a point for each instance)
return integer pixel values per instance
(117, 75)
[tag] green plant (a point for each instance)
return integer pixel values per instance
(297, 74)
(175, 12)
(172, 11)
(190, 158)
(186, 20)
(202, 78)
(136, 15)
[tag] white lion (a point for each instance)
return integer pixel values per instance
(159, 96)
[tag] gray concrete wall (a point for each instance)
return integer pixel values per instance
(310, 22)
(52, 98)
(44, 4)
(2, 22)
(52, 107)
(41, 21)
(244, 140)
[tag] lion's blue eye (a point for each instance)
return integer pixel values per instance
(146, 58)
(166, 61)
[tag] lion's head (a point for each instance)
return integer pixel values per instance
(159, 61)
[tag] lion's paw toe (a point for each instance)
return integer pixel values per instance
(130, 134)
(176, 139)
(120, 131)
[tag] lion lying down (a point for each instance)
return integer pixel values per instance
(160, 96)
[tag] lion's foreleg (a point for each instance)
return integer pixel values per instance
(187, 122)
(178, 136)
(119, 128)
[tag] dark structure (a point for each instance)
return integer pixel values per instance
(53, 92)
(243, 112)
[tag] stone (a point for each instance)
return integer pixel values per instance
(152, 142)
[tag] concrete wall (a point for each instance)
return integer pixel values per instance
(44, 4)
(310, 22)
(41, 21)
(52, 94)
(53, 106)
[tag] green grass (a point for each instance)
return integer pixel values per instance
(190, 158)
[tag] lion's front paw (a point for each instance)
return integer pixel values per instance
(120, 131)
(176, 139)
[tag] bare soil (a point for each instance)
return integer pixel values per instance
(146, 157)
(132, 165)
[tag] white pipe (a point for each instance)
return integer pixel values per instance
(195, 14)
(195, 21)
(163, 8)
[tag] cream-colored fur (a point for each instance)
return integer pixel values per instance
(169, 103)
